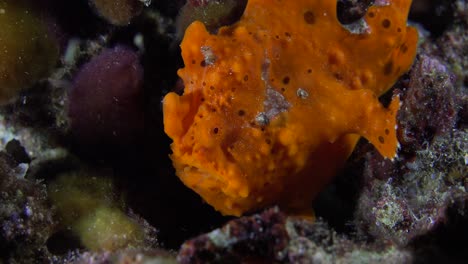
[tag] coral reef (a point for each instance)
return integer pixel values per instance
(451, 47)
(271, 236)
(409, 205)
(431, 86)
(25, 219)
(259, 125)
(124, 257)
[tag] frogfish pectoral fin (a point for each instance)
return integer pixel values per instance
(379, 126)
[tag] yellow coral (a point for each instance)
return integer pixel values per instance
(109, 229)
(273, 105)
(86, 204)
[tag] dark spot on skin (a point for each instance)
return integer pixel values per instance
(202, 99)
(228, 32)
(309, 17)
(193, 62)
(286, 80)
(386, 23)
(215, 130)
(277, 37)
(381, 139)
(371, 14)
(403, 48)
(309, 71)
(203, 63)
(268, 141)
(398, 30)
(287, 34)
(364, 79)
(388, 68)
(387, 131)
(333, 58)
(241, 112)
(338, 76)
(211, 87)
(203, 83)
(246, 78)
(283, 89)
(191, 82)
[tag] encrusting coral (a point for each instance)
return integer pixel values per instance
(273, 105)
(213, 13)
(118, 12)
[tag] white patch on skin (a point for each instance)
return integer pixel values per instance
(301, 93)
(275, 103)
(358, 28)
(265, 71)
(381, 3)
(208, 55)
(261, 119)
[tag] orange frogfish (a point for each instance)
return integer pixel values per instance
(274, 104)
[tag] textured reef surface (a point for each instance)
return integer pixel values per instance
(334, 131)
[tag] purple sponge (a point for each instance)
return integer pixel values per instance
(106, 100)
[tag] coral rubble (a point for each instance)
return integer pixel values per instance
(25, 219)
(271, 236)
